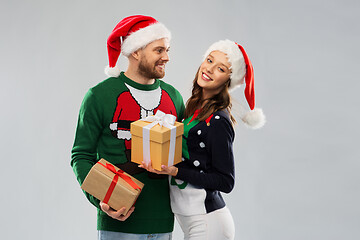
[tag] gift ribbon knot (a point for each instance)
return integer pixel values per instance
(166, 120)
(119, 173)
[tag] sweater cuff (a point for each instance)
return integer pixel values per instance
(181, 173)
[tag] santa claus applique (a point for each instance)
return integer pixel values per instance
(136, 104)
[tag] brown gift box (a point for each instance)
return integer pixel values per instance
(99, 179)
(159, 143)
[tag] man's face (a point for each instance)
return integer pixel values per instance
(153, 59)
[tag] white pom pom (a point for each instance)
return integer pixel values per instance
(254, 119)
(112, 72)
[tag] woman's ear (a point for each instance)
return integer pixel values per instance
(228, 82)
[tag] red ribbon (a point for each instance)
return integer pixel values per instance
(119, 173)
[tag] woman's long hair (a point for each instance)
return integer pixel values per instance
(218, 102)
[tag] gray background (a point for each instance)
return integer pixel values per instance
(297, 178)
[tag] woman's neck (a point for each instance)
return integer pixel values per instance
(203, 102)
(205, 96)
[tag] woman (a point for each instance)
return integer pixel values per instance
(208, 163)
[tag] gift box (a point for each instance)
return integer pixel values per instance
(157, 139)
(111, 185)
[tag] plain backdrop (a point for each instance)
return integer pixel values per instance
(297, 178)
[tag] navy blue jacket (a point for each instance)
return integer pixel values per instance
(210, 165)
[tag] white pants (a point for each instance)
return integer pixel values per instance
(217, 225)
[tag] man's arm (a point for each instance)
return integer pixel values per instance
(84, 151)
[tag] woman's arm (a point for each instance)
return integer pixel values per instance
(221, 175)
(219, 146)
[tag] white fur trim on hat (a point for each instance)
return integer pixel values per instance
(254, 119)
(112, 72)
(143, 37)
(235, 58)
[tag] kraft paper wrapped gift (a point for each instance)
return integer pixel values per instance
(151, 142)
(111, 185)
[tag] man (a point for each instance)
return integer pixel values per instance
(103, 129)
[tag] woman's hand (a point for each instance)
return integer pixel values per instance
(172, 170)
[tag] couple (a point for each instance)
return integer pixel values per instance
(103, 131)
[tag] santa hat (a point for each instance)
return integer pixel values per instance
(131, 34)
(241, 69)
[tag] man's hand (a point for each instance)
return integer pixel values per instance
(118, 215)
(172, 170)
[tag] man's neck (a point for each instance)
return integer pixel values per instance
(136, 77)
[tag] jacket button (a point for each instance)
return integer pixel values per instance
(196, 163)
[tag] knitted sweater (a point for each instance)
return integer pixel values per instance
(103, 131)
(207, 168)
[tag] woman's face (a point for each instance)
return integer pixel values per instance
(213, 74)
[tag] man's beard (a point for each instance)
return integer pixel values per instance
(148, 70)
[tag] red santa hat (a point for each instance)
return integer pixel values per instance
(131, 34)
(241, 69)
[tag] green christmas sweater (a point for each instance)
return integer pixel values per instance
(103, 131)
